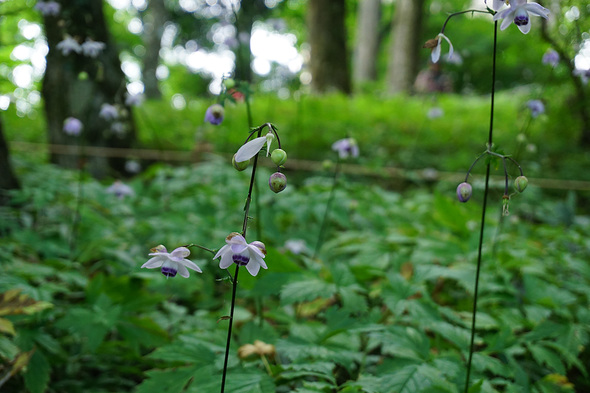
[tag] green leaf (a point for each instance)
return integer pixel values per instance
(307, 290)
(167, 381)
(37, 374)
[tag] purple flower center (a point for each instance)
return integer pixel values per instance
(168, 271)
(241, 259)
(521, 20)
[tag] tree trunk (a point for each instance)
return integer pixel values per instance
(79, 84)
(249, 10)
(8, 180)
(367, 44)
(406, 37)
(327, 37)
(154, 19)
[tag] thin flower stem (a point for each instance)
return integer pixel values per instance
(229, 328)
(483, 216)
(201, 247)
(256, 201)
(327, 212)
(461, 13)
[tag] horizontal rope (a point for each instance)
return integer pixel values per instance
(293, 164)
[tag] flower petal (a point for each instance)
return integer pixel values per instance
(154, 262)
(451, 50)
(250, 149)
(222, 251)
(182, 270)
(525, 28)
(253, 268)
(258, 260)
(191, 265)
(435, 54)
(226, 260)
(537, 9)
(507, 20)
(238, 248)
(179, 254)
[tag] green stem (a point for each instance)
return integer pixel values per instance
(483, 217)
(328, 206)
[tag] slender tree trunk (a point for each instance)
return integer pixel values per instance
(249, 10)
(8, 180)
(327, 37)
(403, 58)
(367, 44)
(78, 84)
(154, 19)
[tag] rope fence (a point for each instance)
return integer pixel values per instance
(427, 174)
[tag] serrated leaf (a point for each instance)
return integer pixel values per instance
(6, 326)
(37, 374)
(167, 381)
(306, 290)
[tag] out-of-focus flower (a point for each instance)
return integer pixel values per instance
(296, 246)
(132, 166)
(68, 45)
(435, 113)
(551, 57)
(250, 149)
(435, 54)
(108, 112)
(120, 190)
(496, 4)
(259, 348)
(118, 129)
(134, 99)
(92, 48)
(48, 8)
(73, 126)
(455, 59)
(536, 106)
(346, 147)
(214, 114)
(171, 263)
(518, 12)
(583, 74)
(238, 251)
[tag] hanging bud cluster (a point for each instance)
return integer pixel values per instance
(277, 181)
(464, 190)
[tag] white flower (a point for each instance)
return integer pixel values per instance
(583, 74)
(108, 112)
(134, 99)
(296, 246)
(250, 149)
(92, 48)
(171, 263)
(120, 189)
(48, 8)
(132, 166)
(435, 54)
(346, 147)
(496, 4)
(238, 251)
(518, 12)
(68, 45)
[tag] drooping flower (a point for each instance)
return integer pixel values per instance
(73, 126)
(464, 192)
(214, 114)
(48, 8)
(496, 4)
(346, 147)
(537, 107)
(108, 112)
(92, 48)
(120, 190)
(68, 45)
(551, 57)
(435, 54)
(238, 251)
(250, 149)
(171, 263)
(518, 12)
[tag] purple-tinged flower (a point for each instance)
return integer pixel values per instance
(537, 107)
(214, 114)
(296, 246)
(92, 48)
(551, 57)
(238, 251)
(108, 112)
(583, 74)
(73, 126)
(435, 54)
(464, 192)
(171, 263)
(250, 149)
(132, 166)
(496, 4)
(435, 113)
(518, 12)
(120, 190)
(134, 99)
(68, 45)
(346, 147)
(48, 8)
(277, 182)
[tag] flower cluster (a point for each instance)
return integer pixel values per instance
(89, 48)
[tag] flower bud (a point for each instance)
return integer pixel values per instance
(229, 83)
(240, 166)
(520, 183)
(464, 192)
(277, 182)
(278, 156)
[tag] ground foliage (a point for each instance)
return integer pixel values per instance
(385, 306)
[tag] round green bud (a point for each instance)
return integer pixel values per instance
(83, 76)
(240, 166)
(520, 183)
(278, 156)
(277, 182)
(229, 83)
